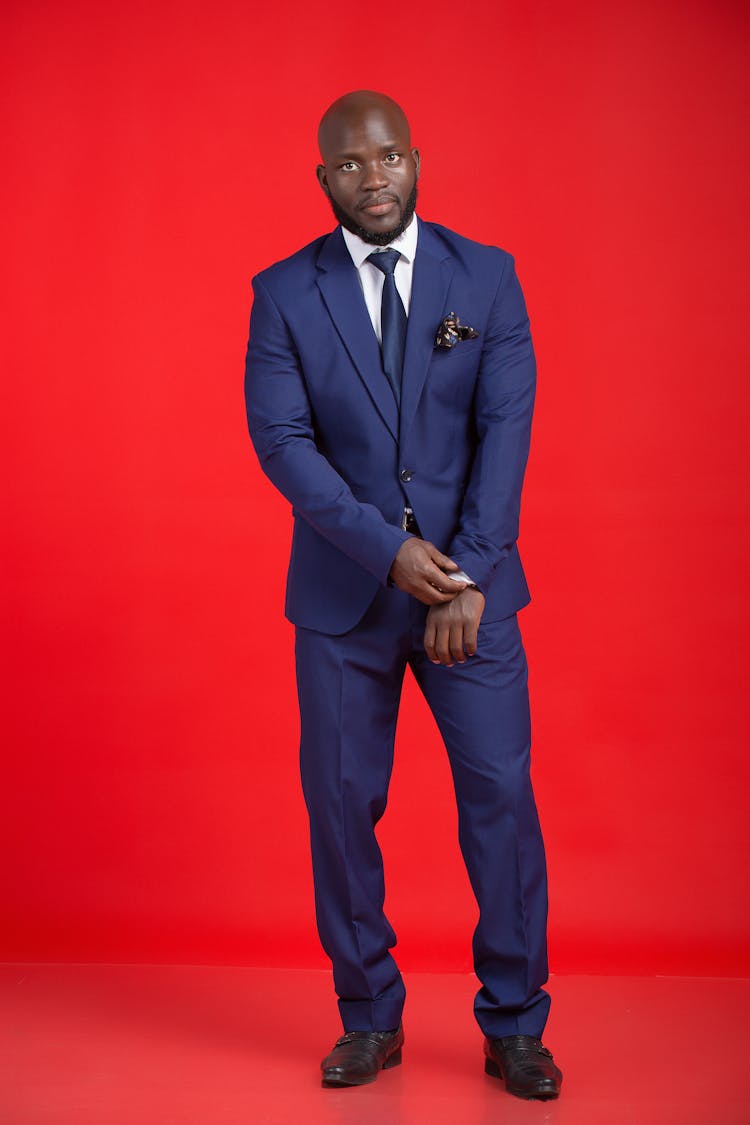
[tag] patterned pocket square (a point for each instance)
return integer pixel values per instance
(452, 332)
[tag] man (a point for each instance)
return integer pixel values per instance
(390, 386)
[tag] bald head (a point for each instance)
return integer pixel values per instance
(369, 170)
(348, 112)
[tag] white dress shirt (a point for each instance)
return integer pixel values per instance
(372, 279)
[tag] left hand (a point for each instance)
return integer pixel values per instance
(450, 633)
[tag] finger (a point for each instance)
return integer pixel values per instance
(430, 636)
(430, 596)
(442, 645)
(437, 578)
(443, 561)
(470, 638)
(426, 593)
(457, 643)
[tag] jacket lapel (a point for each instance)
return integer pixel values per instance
(341, 291)
(433, 269)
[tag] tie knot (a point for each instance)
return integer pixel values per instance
(385, 260)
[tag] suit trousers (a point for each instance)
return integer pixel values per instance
(349, 689)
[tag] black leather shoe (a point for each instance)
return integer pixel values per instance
(525, 1064)
(359, 1055)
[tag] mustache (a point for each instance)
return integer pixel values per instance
(349, 222)
(375, 202)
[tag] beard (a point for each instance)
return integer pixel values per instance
(378, 238)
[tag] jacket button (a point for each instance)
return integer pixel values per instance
(406, 475)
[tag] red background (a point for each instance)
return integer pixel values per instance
(157, 156)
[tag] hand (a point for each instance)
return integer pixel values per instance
(450, 633)
(420, 569)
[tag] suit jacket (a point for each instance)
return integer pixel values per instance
(328, 432)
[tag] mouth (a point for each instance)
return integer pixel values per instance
(380, 206)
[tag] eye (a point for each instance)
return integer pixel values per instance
(347, 166)
(393, 158)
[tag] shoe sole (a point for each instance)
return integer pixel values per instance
(493, 1069)
(392, 1060)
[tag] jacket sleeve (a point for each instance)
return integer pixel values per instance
(281, 427)
(503, 405)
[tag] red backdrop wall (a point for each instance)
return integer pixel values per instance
(157, 156)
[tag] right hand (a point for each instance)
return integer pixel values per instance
(420, 569)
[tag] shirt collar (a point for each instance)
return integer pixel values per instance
(360, 250)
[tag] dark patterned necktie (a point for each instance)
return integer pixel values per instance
(392, 320)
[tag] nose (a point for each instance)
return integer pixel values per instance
(373, 177)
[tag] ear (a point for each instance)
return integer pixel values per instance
(415, 158)
(320, 172)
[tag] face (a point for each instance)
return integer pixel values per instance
(370, 172)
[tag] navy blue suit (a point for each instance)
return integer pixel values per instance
(329, 434)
